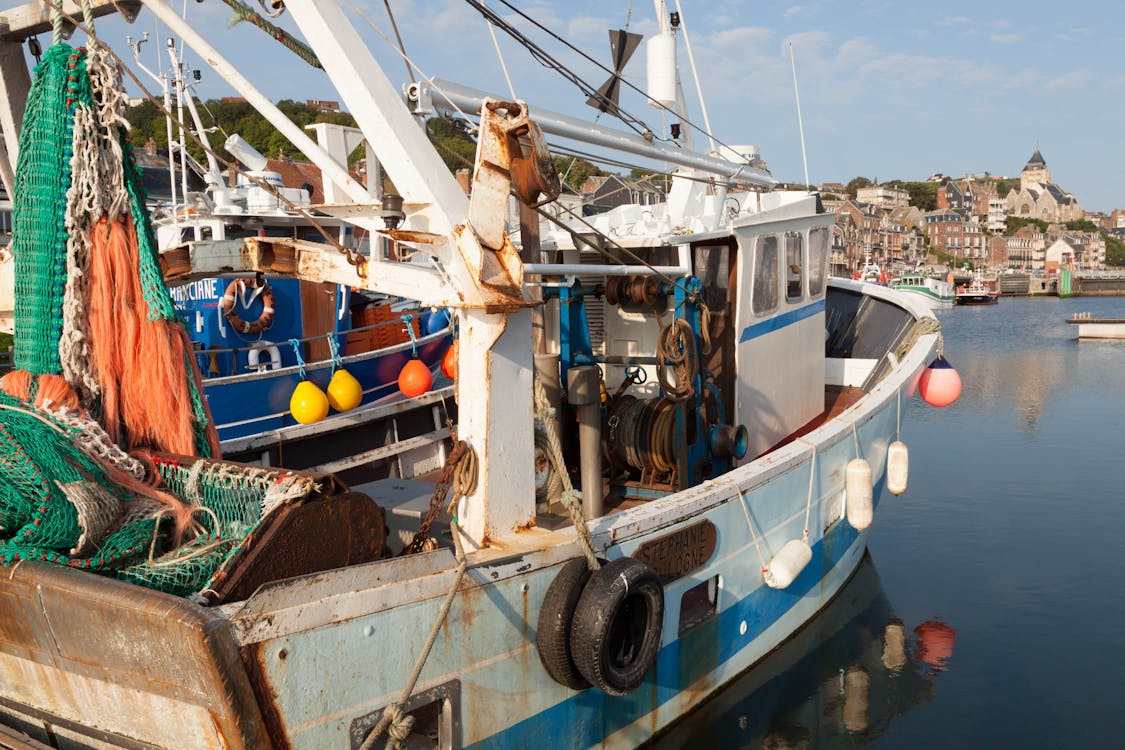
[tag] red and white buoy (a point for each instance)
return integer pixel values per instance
(940, 384)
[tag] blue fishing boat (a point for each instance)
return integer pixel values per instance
(673, 432)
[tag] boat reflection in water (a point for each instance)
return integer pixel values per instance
(839, 682)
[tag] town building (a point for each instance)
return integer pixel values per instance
(950, 233)
(601, 193)
(997, 215)
(1040, 198)
(857, 231)
(883, 197)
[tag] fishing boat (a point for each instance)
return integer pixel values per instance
(673, 432)
(936, 293)
(1090, 327)
(976, 292)
(258, 336)
(870, 272)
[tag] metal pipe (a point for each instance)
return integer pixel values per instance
(447, 95)
(683, 268)
(258, 100)
(582, 269)
(584, 392)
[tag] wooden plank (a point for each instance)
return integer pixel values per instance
(29, 19)
(15, 81)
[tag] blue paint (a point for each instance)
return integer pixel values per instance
(262, 404)
(781, 321)
(587, 718)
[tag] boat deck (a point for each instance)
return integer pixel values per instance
(407, 499)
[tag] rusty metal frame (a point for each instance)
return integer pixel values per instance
(449, 722)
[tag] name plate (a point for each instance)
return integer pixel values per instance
(675, 555)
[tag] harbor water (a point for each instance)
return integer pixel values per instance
(990, 607)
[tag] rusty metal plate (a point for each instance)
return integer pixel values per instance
(311, 535)
(675, 555)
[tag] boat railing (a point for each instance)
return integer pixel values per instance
(202, 354)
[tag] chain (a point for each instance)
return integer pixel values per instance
(437, 500)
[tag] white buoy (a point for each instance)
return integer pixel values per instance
(898, 467)
(661, 64)
(860, 502)
(787, 564)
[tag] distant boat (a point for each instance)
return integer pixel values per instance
(871, 273)
(977, 292)
(937, 293)
(1090, 327)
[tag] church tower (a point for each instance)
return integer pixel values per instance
(1035, 171)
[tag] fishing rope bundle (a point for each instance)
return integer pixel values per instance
(90, 301)
(105, 376)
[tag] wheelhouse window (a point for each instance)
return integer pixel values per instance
(794, 267)
(818, 256)
(765, 276)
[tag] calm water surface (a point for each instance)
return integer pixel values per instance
(1004, 562)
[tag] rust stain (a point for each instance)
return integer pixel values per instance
(254, 656)
(523, 607)
(410, 235)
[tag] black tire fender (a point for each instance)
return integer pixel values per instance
(615, 633)
(555, 616)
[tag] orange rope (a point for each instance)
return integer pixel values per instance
(17, 384)
(141, 364)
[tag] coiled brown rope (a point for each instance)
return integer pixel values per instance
(676, 348)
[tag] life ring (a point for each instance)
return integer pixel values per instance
(553, 632)
(236, 291)
(617, 624)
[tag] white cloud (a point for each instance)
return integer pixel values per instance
(953, 21)
(1006, 38)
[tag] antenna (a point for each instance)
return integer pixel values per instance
(800, 121)
(695, 75)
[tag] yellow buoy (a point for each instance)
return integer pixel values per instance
(308, 403)
(344, 391)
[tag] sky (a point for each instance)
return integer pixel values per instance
(888, 90)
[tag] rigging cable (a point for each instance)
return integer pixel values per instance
(56, 5)
(523, 40)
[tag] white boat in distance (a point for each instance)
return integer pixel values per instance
(749, 407)
(937, 294)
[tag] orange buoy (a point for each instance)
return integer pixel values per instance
(449, 362)
(935, 643)
(940, 384)
(308, 403)
(415, 378)
(344, 391)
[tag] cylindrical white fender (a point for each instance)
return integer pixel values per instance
(787, 564)
(661, 53)
(254, 356)
(898, 467)
(860, 502)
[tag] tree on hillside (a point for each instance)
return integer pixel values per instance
(228, 116)
(1114, 250)
(1082, 225)
(856, 184)
(453, 144)
(1015, 223)
(922, 194)
(575, 170)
